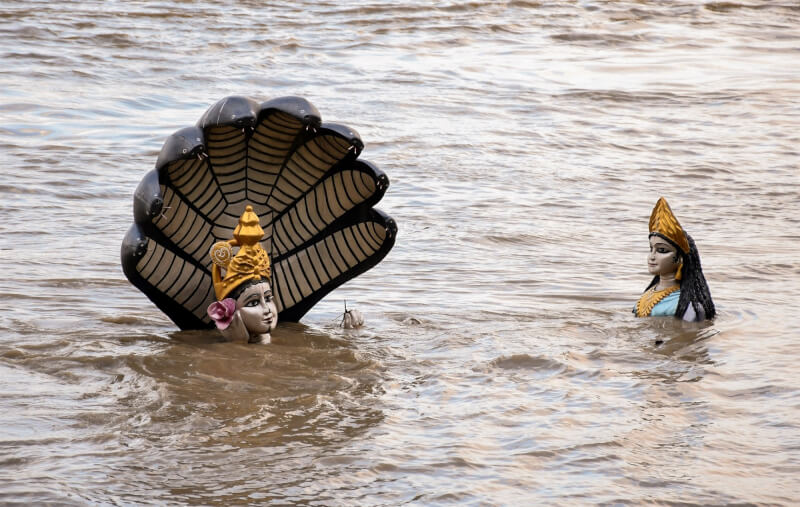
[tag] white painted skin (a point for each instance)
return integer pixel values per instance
(661, 262)
(352, 319)
(256, 316)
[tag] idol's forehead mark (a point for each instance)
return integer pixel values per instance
(258, 288)
(657, 241)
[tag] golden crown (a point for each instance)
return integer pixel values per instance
(250, 262)
(663, 222)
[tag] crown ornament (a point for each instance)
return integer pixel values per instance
(251, 262)
(664, 223)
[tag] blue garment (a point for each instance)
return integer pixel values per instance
(667, 306)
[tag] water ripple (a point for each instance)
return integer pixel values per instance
(526, 143)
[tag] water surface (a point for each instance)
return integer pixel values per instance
(526, 143)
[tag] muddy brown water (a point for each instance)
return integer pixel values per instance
(526, 143)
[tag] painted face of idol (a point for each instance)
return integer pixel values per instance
(257, 309)
(663, 258)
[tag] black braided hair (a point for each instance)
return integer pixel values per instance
(694, 288)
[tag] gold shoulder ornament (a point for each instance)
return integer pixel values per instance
(651, 298)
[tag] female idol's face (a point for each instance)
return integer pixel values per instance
(257, 308)
(663, 258)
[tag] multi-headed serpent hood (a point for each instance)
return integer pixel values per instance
(303, 179)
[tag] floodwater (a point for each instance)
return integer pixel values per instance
(526, 143)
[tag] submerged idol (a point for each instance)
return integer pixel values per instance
(678, 288)
(313, 196)
(245, 310)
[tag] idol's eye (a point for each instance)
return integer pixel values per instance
(251, 302)
(267, 297)
(662, 250)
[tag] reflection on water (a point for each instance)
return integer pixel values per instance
(500, 364)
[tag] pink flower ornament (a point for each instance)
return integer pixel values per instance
(221, 312)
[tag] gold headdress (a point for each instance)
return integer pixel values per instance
(250, 262)
(663, 222)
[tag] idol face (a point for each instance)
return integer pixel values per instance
(257, 309)
(663, 258)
